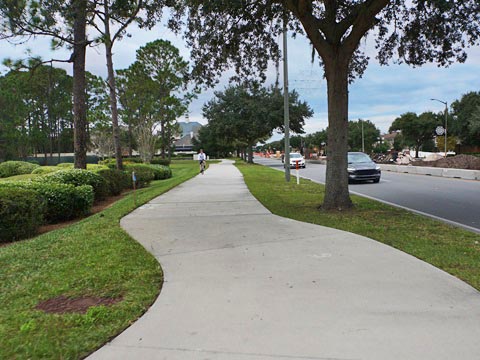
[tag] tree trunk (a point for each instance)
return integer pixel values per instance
(336, 188)
(79, 84)
(113, 90)
(169, 147)
(250, 154)
(162, 133)
(130, 140)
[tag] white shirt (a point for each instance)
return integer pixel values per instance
(202, 156)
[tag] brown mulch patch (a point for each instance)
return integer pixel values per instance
(462, 161)
(62, 304)
(96, 208)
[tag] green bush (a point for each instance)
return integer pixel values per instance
(112, 163)
(65, 201)
(62, 201)
(117, 180)
(83, 200)
(12, 168)
(45, 170)
(134, 160)
(144, 173)
(89, 166)
(159, 161)
(78, 177)
(161, 172)
(65, 165)
(95, 167)
(21, 213)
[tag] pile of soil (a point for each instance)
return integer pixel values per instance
(469, 162)
(62, 304)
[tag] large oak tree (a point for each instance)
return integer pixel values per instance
(243, 34)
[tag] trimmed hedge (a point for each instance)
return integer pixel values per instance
(161, 172)
(21, 213)
(65, 165)
(112, 163)
(12, 168)
(144, 173)
(89, 166)
(62, 201)
(117, 180)
(78, 177)
(45, 170)
(160, 161)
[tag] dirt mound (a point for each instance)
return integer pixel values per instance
(62, 304)
(455, 162)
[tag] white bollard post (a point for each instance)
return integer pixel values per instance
(298, 175)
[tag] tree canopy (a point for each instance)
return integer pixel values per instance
(417, 130)
(371, 135)
(465, 123)
(245, 114)
(153, 93)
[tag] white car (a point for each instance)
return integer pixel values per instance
(294, 157)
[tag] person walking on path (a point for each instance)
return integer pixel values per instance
(202, 158)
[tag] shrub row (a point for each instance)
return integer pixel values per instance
(160, 161)
(45, 170)
(61, 201)
(143, 173)
(89, 166)
(161, 172)
(12, 168)
(63, 195)
(116, 180)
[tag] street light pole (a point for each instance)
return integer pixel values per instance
(446, 116)
(286, 113)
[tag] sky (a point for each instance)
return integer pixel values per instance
(381, 95)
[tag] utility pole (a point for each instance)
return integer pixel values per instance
(286, 113)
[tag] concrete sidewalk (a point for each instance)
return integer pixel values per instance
(243, 284)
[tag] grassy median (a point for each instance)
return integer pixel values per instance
(452, 249)
(93, 258)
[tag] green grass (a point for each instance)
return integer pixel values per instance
(452, 249)
(93, 257)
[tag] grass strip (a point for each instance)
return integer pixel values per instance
(452, 249)
(93, 257)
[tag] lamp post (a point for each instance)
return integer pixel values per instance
(446, 115)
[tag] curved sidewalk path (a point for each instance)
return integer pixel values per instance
(243, 284)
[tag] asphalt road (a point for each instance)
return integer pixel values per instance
(451, 200)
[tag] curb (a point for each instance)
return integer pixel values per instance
(433, 171)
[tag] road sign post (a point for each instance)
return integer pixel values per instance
(134, 181)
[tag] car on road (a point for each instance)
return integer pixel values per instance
(362, 168)
(294, 157)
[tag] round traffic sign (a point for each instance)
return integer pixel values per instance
(440, 130)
